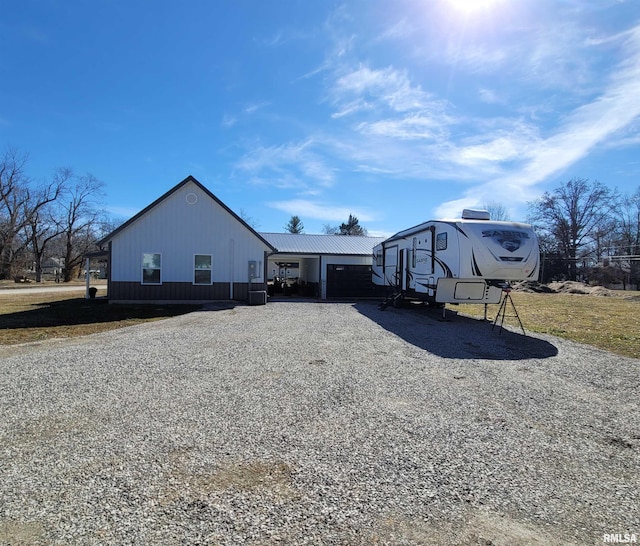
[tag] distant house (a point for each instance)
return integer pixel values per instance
(188, 246)
(52, 266)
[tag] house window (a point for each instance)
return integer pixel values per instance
(441, 241)
(151, 263)
(202, 269)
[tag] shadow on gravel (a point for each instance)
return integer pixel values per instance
(456, 337)
(80, 311)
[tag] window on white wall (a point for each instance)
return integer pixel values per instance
(441, 241)
(202, 269)
(151, 268)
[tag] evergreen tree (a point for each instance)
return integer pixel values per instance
(295, 225)
(352, 227)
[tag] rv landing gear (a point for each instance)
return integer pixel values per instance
(502, 311)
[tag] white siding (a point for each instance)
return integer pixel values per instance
(178, 230)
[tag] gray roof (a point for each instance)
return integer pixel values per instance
(301, 243)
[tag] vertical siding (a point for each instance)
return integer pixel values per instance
(179, 230)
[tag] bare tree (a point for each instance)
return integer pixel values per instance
(624, 249)
(14, 194)
(41, 225)
(80, 217)
(249, 219)
(497, 211)
(328, 229)
(572, 215)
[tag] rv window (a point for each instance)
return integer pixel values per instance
(441, 241)
(151, 268)
(379, 257)
(202, 269)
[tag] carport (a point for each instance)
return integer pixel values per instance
(328, 266)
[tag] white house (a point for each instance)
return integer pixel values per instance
(187, 246)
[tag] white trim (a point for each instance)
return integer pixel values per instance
(142, 268)
(193, 279)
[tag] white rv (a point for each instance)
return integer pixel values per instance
(468, 260)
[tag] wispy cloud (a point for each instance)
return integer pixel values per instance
(490, 96)
(254, 107)
(285, 165)
(321, 210)
(228, 121)
(122, 212)
(413, 126)
(389, 123)
(386, 87)
(586, 127)
(398, 30)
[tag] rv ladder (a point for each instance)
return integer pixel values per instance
(392, 299)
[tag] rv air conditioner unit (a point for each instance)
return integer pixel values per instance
(472, 214)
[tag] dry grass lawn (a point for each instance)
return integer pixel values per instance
(34, 317)
(611, 323)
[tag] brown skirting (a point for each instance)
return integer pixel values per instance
(179, 291)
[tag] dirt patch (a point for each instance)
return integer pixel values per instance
(531, 287)
(191, 481)
(482, 528)
(564, 287)
(20, 532)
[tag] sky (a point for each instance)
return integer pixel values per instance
(397, 112)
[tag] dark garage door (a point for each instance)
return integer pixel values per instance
(349, 281)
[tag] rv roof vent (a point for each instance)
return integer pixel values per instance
(472, 214)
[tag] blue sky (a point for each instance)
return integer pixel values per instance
(395, 111)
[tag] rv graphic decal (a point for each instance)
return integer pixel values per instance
(476, 269)
(445, 267)
(458, 228)
(507, 239)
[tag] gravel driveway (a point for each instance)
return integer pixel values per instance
(317, 423)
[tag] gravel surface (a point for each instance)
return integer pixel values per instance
(317, 423)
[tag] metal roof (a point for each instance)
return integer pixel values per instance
(301, 243)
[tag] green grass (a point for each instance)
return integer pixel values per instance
(609, 323)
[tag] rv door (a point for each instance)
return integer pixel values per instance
(391, 266)
(403, 270)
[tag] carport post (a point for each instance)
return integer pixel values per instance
(87, 277)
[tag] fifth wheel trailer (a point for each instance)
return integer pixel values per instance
(466, 260)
